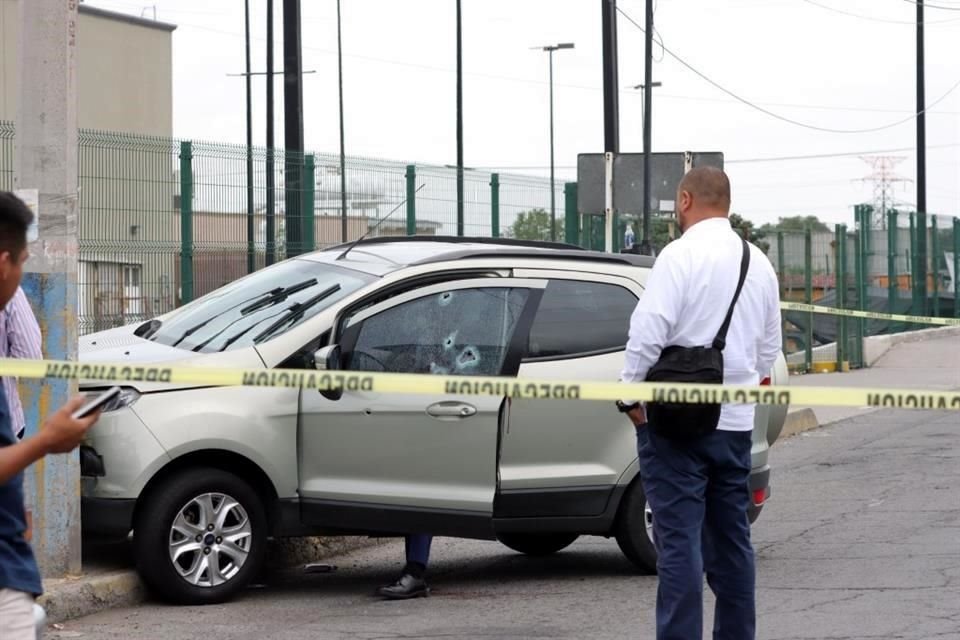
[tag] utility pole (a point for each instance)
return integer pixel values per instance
(645, 246)
(460, 221)
(271, 256)
(611, 112)
(295, 218)
(921, 281)
(611, 109)
(343, 158)
(251, 233)
(46, 161)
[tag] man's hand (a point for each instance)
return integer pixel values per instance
(61, 433)
(638, 416)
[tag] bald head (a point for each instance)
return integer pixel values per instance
(709, 188)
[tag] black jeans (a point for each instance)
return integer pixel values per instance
(699, 493)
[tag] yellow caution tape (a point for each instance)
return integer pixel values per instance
(872, 315)
(482, 386)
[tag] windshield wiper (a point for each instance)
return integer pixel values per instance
(268, 298)
(295, 312)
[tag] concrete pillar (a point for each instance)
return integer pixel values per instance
(46, 160)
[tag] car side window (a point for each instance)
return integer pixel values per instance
(455, 332)
(578, 317)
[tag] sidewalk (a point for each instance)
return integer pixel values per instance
(932, 363)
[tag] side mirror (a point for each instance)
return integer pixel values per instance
(328, 359)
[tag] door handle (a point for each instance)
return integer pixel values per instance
(451, 410)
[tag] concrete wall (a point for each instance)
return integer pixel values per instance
(124, 70)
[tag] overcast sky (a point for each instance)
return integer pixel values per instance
(801, 59)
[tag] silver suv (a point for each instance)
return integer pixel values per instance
(203, 476)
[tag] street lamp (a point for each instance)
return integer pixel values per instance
(553, 195)
(640, 87)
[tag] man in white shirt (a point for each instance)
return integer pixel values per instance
(698, 489)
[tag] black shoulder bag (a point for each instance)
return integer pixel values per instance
(703, 365)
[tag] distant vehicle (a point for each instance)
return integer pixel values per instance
(204, 475)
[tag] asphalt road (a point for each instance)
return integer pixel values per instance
(860, 541)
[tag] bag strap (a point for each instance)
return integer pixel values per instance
(720, 341)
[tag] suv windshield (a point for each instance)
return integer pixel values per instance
(259, 307)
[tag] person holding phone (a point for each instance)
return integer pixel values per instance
(60, 433)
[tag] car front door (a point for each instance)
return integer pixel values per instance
(398, 463)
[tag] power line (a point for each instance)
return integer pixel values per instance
(784, 118)
(933, 6)
(625, 92)
(817, 156)
(874, 19)
(842, 154)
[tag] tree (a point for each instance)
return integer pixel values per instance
(794, 223)
(534, 225)
(747, 231)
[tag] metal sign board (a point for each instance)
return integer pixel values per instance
(666, 171)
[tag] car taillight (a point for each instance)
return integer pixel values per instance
(760, 496)
(765, 382)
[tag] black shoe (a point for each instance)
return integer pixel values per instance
(406, 587)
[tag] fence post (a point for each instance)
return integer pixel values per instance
(783, 279)
(860, 274)
(309, 232)
(494, 205)
(840, 274)
(186, 221)
(808, 292)
(411, 176)
(571, 220)
(956, 267)
(914, 303)
(924, 308)
(892, 284)
(935, 264)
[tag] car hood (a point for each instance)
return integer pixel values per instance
(121, 346)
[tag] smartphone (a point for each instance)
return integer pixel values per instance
(96, 403)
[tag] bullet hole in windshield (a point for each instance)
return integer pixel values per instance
(450, 341)
(445, 298)
(469, 358)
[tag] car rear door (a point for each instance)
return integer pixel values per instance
(406, 463)
(563, 458)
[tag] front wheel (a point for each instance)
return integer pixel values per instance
(634, 529)
(200, 536)
(537, 544)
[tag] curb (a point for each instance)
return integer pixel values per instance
(798, 421)
(78, 596)
(74, 597)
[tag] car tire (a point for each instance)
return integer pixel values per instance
(170, 562)
(634, 529)
(537, 544)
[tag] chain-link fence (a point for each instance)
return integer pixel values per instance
(163, 221)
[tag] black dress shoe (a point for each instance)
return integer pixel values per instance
(407, 586)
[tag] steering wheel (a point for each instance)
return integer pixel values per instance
(355, 365)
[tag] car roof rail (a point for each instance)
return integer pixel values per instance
(582, 255)
(513, 242)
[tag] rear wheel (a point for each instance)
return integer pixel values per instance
(200, 536)
(634, 530)
(537, 544)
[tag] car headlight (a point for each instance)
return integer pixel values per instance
(126, 397)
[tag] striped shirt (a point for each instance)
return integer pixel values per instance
(19, 338)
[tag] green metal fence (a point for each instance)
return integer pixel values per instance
(901, 265)
(163, 221)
